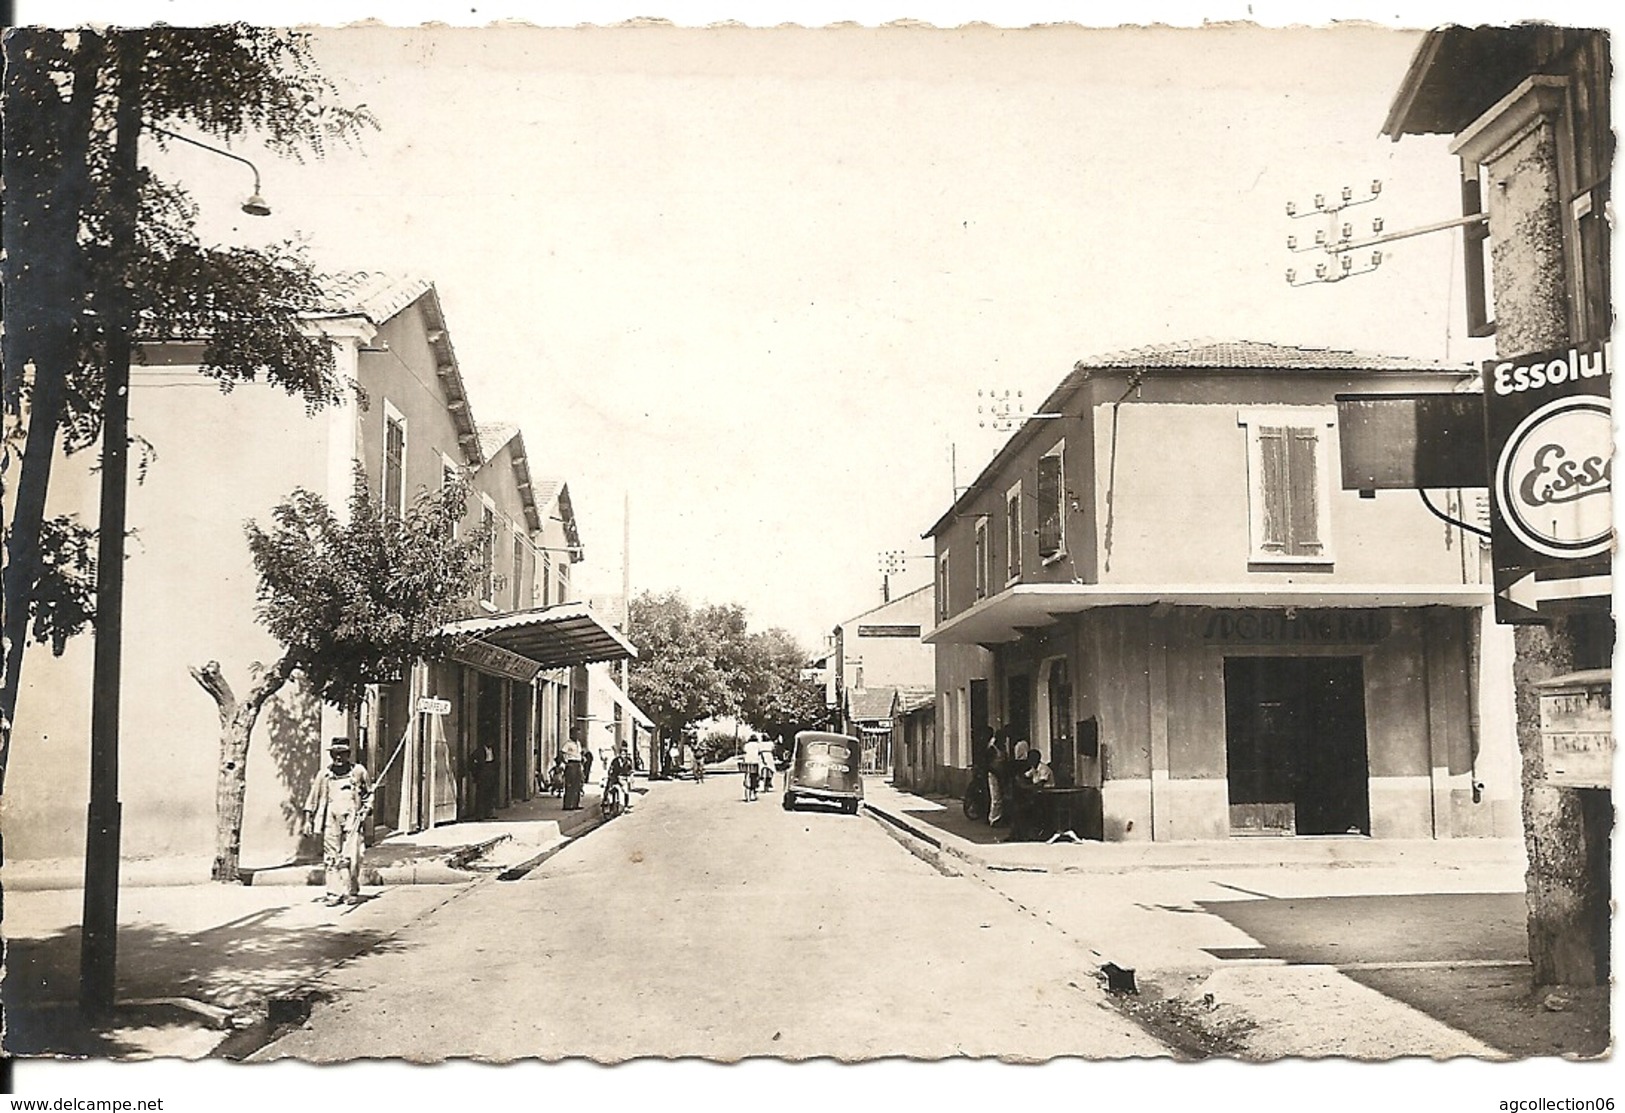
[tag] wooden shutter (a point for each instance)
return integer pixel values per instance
(1302, 493)
(981, 560)
(1012, 536)
(1049, 506)
(1275, 488)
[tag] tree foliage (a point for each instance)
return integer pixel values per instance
(76, 278)
(354, 600)
(703, 662)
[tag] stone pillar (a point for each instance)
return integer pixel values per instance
(1523, 143)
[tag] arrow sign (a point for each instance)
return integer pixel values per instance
(1530, 593)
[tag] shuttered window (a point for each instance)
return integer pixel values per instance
(1287, 479)
(1012, 534)
(1291, 486)
(942, 587)
(394, 478)
(984, 560)
(1051, 511)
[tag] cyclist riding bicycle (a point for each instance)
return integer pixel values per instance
(620, 777)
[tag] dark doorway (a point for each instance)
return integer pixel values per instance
(481, 793)
(1060, 723)
(980, 724)
(1018, 703)
(1295, 745)
(519, 746)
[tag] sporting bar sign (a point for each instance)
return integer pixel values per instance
(1549, 440)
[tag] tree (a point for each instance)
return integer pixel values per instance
(776, 700)
(690, 661)
(353, 601)
(95, 245)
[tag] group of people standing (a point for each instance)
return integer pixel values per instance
(1015, 771)
(760, 763)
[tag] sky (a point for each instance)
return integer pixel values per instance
(752, 283)
(749, 282)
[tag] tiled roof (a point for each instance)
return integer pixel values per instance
(912, 697)
(374, 294)
(1253, 355)
(493, 435)
(871, 703)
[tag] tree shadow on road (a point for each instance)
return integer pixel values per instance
(1460, 958)
(236, 965)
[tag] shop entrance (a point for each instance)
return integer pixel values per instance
(1295, 745)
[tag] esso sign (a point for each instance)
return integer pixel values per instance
(1554, 478)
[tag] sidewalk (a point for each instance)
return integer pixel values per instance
(939, 821)
(203, 966)
(1289, 948)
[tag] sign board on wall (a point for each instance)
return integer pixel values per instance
(1576, 729)
(429, 705)
(1549, 442)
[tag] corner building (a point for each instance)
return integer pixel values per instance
(1161, 585)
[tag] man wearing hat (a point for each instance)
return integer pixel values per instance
(339, 803)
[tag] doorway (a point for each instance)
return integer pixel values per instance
(1295, 745)
(1018, 704)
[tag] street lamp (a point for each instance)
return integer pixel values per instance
(255, 205)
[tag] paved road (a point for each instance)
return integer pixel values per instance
(700, 925)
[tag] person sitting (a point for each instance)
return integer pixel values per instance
(1027, 816)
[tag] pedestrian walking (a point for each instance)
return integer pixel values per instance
(484, 759)
(998, 768)
(766, 751)
(574, 777)
(753, 766)
(338, 805)
(586, 764)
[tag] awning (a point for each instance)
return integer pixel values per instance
(548, 637)
(1005, 616)
(625, 703)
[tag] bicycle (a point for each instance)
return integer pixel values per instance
(614, 801)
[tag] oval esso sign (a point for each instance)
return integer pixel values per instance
(1554, 478)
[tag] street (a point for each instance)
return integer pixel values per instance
(700, 925)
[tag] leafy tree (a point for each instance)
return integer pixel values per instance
(689, 662)
(97, 246)
(698, 663)
(353, 601)
(776, 700)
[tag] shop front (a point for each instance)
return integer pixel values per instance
(1219, 716)
(462, 737)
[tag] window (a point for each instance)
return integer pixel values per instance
(1012, 534)
(518, 567)
(394, 485)
(1052, 504)
(564, 582)
(984, 559)
(450, 473)
(546, 584)
(942, 586)
(488, 550)
(1288, 496)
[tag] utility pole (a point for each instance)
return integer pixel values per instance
(98, 955)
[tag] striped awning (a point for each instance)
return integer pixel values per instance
(549, 637)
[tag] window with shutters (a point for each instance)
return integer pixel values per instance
(394, 479)
(518, 568)
(984, 560)
(1052, 504)
(1289, 494)
(488, 552)
(1012, 534)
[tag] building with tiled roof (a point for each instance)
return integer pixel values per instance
(1160, 583)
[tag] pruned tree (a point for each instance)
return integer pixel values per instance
(95, 252)
(354, 600)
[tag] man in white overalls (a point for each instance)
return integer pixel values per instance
(339, 803)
